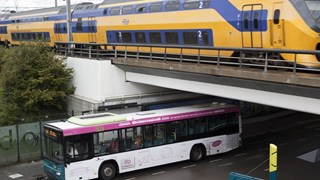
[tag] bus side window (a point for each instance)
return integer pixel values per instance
(159, 134)
(148, 142)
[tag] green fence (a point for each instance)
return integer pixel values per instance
(21, 143)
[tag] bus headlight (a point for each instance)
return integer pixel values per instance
(58, 173)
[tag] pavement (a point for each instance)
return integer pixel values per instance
(24, 171)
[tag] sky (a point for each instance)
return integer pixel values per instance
(36, 4)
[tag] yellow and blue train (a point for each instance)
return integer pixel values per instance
(272, 24)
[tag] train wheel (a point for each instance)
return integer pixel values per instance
(107, 171)
(197, 153)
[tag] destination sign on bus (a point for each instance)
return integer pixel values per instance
(51, 133)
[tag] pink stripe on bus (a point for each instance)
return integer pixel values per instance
(147, 121)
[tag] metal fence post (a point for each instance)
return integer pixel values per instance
(295, 64)
(266, 63)
(165, 54)
(18, 140)
(138, 53)
(240, 59)
(125, 53)
(218, 59)
(198, 56)
(180, 55)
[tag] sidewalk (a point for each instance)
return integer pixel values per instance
(23, 171)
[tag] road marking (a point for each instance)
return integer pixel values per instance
(312, 126)
(238, 155)
(225, 164)
(255, 157)
(264, 149)
(193, 165)
(131, 178)
(14, 176)
(283, 144)
(157, 173)
(266, 169)
(216, 160)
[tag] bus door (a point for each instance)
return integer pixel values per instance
(92, 29)
(251, 26)
(57, 30)
(277, 39)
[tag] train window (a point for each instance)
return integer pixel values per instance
(256, 20)
(127, 10)
(28, 36)
(141, 8)
(190, 38)
(246, 20)
(155, 37)
(172, 38)
(65, 28)
(206, 3)
(13, 21)
(205, 38)
(79, 26)
(155, 7)
(24, 36)
(276, 16)
(105, 11)
(18, 21)
(118, 37)
(34, 37)
(172, 5)
(126, 37)
(115, 11)
(14, 36)
(140, 37)
(46, 18)
(191, 4)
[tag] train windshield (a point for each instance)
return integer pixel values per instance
(314, 7)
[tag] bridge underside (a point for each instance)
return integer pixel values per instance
(283, 95)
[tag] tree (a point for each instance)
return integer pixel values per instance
(34, 82)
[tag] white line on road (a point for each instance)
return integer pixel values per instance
(225, 164)
(264, 149)
(14, 176)
(216, 160)
(301, 139)
(238, 155)
(193, 165)
(157, 173)
(131, 178)
(283, 144)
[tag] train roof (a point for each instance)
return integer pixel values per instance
(108, 121)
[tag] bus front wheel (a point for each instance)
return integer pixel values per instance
(197, 153)
(107, 171)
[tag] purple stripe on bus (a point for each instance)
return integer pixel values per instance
(147, 121)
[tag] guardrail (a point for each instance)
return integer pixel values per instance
(242, 57)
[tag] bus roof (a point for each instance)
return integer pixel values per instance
(108, 121)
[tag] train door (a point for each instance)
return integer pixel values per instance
(92, 29)
(251, 26)
(277, 39)
(57, 31)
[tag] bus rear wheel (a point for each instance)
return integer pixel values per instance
(197, 153)
(107, 171)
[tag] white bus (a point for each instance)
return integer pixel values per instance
(104, 145)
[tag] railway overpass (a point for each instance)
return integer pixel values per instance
(298, 91)
(285, 87)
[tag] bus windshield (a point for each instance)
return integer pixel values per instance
(53, 149)
(314, 7)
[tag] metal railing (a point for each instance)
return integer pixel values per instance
(260, 58)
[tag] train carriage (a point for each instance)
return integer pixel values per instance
(284, 24)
